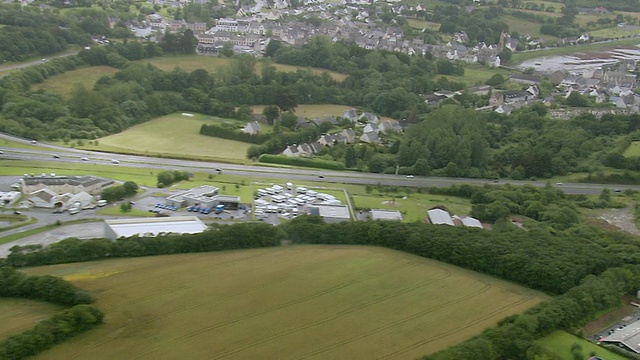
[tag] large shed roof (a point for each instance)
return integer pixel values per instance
(628, 337)
(439, 217)
(153, 227)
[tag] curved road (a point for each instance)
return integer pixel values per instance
(46, 152)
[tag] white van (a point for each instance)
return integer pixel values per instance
(101, 203)
(73, 210)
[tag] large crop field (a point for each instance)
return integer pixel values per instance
(302, 302)
(174, 135)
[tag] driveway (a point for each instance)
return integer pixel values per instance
(80, 231)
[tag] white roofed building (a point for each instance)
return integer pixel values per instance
(439, 217)
(377, 214)
(331, 213)
(115, 229)
(469, 221)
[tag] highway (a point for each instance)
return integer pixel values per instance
(46, 153)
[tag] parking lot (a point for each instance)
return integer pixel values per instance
(156, 204)
(287, 201)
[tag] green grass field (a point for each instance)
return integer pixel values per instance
(318, 302)
(476, 74)
(312, 111)
(18, 315)
(559, 343)
(152, 138)
(64, 84)
(413, 206)
(214, 64)
(633, 150)
(423, 24)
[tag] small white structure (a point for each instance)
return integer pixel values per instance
(9, 197)
(378, 214)
(115, 229)
(252, 128)
(469, 221)
(440, 217)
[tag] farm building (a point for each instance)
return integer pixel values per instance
(439, 217)
(46, 198)
(469, 221)
(115, 229)
(331, 213)
(627, 338)
(377, 214)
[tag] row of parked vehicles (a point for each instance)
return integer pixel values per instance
(166, 207)
(198, 209)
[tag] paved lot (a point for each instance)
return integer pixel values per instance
(81, 231)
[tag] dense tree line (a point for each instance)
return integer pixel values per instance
(117, 192)
(232, 133)
(170, 177)
(45, 288)
(47, 333)
(561, 261)
(218, 238)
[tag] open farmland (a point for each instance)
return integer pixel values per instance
(64, 84)
(290, 302)
(214, 64)
(18, 315)
(151, 138)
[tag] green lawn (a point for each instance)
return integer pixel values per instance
(477, 74)
(175, 135)
(559, 343)
(214, 64)
(423, 24)
(15, 144)
(312, 111)
(633, 150)
(64, 84)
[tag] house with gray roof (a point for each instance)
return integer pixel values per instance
(252, 128)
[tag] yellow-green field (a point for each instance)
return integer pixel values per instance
(18, 315)
(423, 24)
(64, 84)
(302, 302)
(413, 206)
(213, 64)
(559, 343)
(174, 134)
(633, 150)
(312, 111)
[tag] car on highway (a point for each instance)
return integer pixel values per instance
(34, 142)
(56, 156)
(84, 158)
(44, 60)
(1, 152)
(321, 176)
(409, 176)
(559, 184)
(114, 161)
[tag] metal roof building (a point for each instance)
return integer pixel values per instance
(115, 229)
(378, 214)
(331, 213)
(440, 217)
(627, 337)
(469, 221)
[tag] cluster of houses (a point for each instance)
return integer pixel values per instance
(368, 124)
(255, 25)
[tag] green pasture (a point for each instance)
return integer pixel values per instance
(633, 150)
(412, 205)
(143, 177)
(613, 32)
(175, 135)
(477, 74)
(214, 64)
(64, 84)
(519, 57)
(288, 302)
(523, 26)
(423, 24)
(18, 315)
(559, 344)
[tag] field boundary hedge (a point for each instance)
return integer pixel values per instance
(47, 333)
(233, 134)
(301, 161)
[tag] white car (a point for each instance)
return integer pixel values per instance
(114, 161)
(84, 159)
(409, 176)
